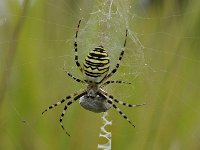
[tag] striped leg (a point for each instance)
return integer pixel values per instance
(61, 101)
(120, 102)
(120, 112)
(65, 108)
(114, 81)
(76, 48)
(73, 77)
(119, 60)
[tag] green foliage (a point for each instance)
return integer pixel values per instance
(37, 40)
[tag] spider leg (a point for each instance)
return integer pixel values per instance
(114, 81)
(117, 108)
(119, 60)
(76, 48)
(65, 108)
(118, 101)
(73, 77)
(61, 101)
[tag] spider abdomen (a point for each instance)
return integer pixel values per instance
(95, 104)
(96, 64)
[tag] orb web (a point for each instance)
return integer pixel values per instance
(161, 60)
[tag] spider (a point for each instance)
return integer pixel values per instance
(96, 73)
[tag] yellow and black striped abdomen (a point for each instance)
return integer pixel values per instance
(96, 64)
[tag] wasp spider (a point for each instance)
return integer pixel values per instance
(96, 72)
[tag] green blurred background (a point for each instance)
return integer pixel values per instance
(36, 40)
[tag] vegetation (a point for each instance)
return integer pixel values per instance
(36, 40)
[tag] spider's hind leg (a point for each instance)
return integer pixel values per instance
(73, 77)
(119, 60)
(76, 49)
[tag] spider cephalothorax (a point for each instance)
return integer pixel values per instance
(96, 71)
(93, 101)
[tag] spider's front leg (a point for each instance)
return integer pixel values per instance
(118, 101)
(75, 97)
(111, 100)
(65, 108)
(62, 101)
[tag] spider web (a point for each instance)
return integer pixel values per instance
(161, 61)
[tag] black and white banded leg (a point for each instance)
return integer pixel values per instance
(113, 82)
(119, 60)
(73, 77)
(118, 109)
(76, 48)
(65, 108)
(120, 112)
(63, 100)
(118, 101)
